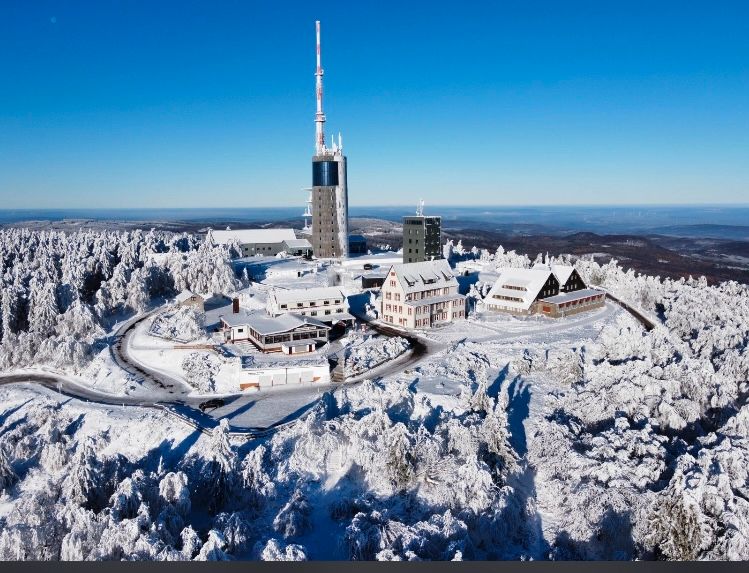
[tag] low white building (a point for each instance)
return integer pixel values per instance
(263, 375)
(517, 291)
(421, 295)
(327, 304)
(287, 333)
(267, 242)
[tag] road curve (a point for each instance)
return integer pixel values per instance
(118, 347)
(641, 318)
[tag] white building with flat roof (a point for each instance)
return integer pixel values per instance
(421, 295)
(328, 304)
(263, 241)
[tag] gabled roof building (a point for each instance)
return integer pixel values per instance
(551, 290)
(189, 298)
(517, 290)
(567, 276)
(421, 295)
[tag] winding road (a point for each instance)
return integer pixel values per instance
(282, 406)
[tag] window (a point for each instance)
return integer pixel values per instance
(313, 313)
(284, 306)
(326, 302)
(327, 311)
(339, 310)
(300, 304)
(240, 329)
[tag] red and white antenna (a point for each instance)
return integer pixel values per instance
(319, 116)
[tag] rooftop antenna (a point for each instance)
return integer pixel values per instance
(319, 116)
(420, 208)
(308, 211)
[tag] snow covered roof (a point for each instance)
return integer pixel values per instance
(574, 295)
(337, 317)
(297, 243)
(290, 296)
(185, 295)
(249, 236)
(416, 277)
(562, 272)
(527, 282)
(234, 318)
(264, 324)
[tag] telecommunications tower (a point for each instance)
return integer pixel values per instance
(329, 196)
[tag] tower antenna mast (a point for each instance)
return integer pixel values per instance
(319, 116)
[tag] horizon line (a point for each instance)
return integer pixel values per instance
(390, 206)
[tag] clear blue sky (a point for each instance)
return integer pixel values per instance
(154, 103)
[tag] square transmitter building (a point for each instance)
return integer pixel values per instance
(421, 238)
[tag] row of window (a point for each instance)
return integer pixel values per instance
(505, 297)
(581, 301)
(428, 293)
(313, 303)
(327, 312)
(507, 308)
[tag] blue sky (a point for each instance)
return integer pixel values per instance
(196, 104)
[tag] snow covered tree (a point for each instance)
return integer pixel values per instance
(8, 477)
(294, 517)
(399, 464)
(218, 472)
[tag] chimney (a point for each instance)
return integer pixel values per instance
(235, 305)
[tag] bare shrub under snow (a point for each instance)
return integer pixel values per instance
(367, 352)
(200, 370)
(183, 324)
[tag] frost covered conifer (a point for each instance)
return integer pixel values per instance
(8, 477)
(214, 548)
(219, 469)
(399, 463)
(294, 517)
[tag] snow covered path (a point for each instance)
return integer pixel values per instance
(546, 327)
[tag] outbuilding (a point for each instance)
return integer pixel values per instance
(189, 298)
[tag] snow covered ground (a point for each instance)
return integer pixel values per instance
(581, 438)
